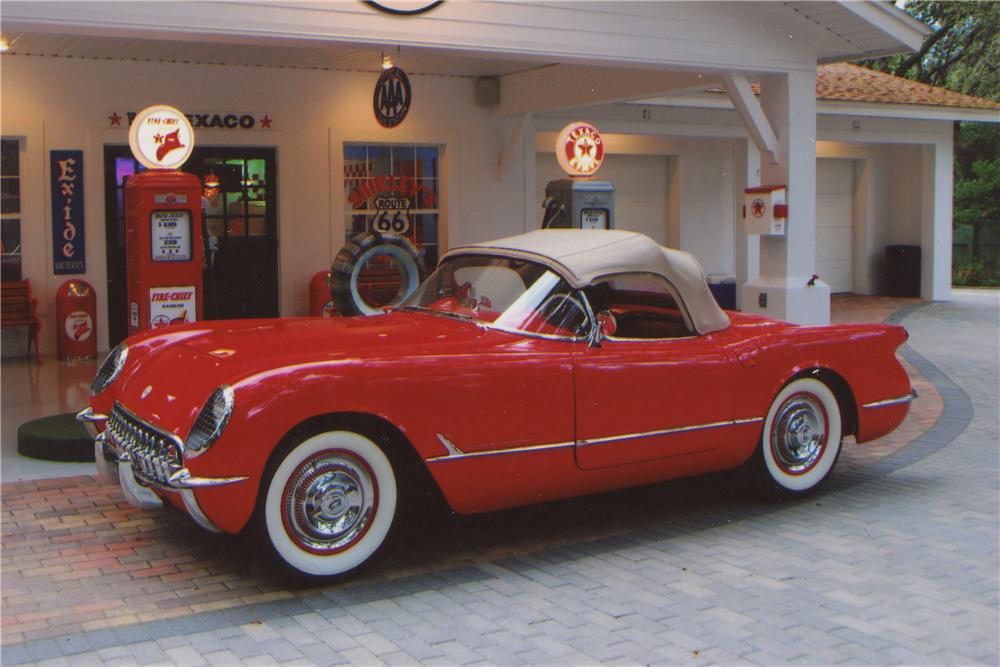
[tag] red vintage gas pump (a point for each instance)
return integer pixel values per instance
(163, 225)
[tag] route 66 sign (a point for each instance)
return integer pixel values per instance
(392, 216)
(391, 101)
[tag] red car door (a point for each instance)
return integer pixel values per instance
(639, 400)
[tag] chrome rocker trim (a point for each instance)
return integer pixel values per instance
(454, 453)
(892, 401)
(668, 431)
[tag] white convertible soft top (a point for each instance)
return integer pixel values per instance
(584, 255)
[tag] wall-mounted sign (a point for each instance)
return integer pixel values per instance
(580, 149)
(68, 247)
(161, 137)
(171, 305)
(224, 120)
(171, 236)
(391, 101)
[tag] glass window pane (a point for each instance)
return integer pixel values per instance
(427, 193)
(427, 161)
(355, 161)
(10, 161)
(10, 249)
(381, 160)
(404, 159)
(215, 226)
(258, 226)
(10, 195)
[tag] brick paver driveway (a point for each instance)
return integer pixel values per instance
(896, 561)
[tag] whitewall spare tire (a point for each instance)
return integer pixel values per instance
(330, 503)
(802, 436)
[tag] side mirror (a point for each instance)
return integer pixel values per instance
(607, 325)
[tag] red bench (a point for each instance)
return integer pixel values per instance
(19, 309)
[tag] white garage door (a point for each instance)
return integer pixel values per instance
(640, 190)
(835, 223)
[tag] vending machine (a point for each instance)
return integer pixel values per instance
(580, 201)
(163, 224)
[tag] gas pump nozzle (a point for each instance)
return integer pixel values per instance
(553, 209)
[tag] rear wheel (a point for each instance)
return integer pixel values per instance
(330, 503)
(802, 437)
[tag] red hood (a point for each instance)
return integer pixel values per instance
(176, 370)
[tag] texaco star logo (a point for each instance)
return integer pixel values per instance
(757, 208)
(580, 149)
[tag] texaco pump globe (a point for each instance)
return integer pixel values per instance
(580, 149)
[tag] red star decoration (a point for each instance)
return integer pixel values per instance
(585, 148)
(757, 208)
(265, 122)
(158, 138)
(115, 119)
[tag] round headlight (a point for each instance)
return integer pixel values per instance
(211, 420)
(109, 369)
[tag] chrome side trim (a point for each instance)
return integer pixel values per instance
(194, 509)
(497, 452)
(454, 453)
(891, 401)
(450, 446)
(668, 431)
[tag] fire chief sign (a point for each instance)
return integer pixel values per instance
(161, 137)
(171, 305)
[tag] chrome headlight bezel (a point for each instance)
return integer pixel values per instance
(211, 421)
(109, 370)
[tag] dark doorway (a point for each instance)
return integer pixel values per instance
(241, 219)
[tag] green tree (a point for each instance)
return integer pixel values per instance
(962, 53)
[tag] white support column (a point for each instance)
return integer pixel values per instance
(746, 248)
(787, 263)
(935, 220)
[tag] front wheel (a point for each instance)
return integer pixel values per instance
(801, 438)
(330, 503)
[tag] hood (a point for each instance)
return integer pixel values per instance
(177, 370)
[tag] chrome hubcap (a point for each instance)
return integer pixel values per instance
(329, 502)
(799, 435)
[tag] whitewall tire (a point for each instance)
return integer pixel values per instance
(330, 503)
(802, 436)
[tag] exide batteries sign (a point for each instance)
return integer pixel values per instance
(68, 250)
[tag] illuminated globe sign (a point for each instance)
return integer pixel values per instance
(161, 137)
(579, 149)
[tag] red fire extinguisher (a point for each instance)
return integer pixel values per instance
(320, 299)
(76, 317)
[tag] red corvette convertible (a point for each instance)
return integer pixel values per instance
(541, 366)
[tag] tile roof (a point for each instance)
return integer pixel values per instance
(844, 82)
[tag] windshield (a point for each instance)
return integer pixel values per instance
(505, 293)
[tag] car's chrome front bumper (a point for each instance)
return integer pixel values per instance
(133, 469)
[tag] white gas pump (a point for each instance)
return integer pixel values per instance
(579, 202)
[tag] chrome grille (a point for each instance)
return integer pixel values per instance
(154, 455)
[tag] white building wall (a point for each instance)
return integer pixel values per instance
(64, 104)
